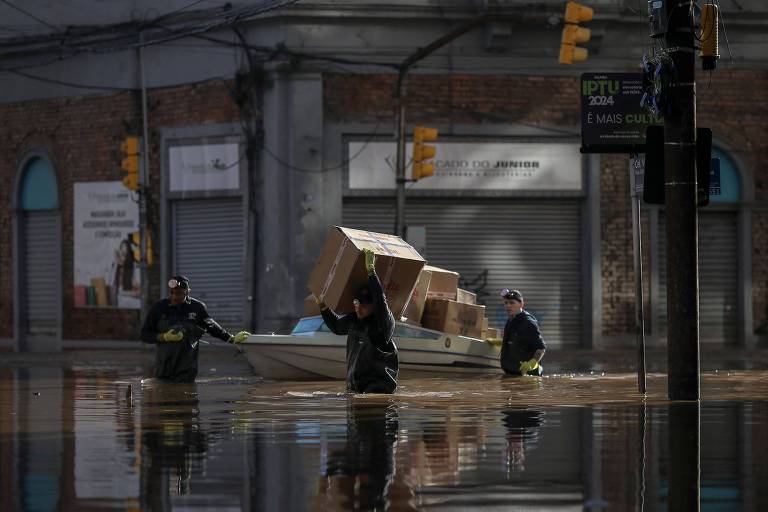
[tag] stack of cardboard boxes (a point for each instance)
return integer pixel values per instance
(420, 294)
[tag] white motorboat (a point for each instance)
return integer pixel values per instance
(312, 351)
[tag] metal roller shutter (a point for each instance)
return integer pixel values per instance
(208, 248)
(531, 245)
(718, 277)
(41, 271)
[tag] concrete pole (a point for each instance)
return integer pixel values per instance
(681, 213)
(144, 189)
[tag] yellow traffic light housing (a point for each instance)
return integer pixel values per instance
(130, 162)
(136, 240)
(573, 34)
(421, 152)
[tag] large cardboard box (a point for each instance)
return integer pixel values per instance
(340, 269)
(415, 307)
(465, 296)
(443, 284)
(454, 317)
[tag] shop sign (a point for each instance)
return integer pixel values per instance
(473, 166)
(204, 167)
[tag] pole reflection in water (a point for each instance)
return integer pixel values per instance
(684, 456)
(171, 442)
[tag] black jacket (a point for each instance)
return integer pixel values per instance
(521, 341)
(176, 361)
(372, 364)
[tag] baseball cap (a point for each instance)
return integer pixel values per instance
(363, 294)
(180, 281)
(507, 293)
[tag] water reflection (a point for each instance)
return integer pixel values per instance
(73, 438)
(171, 442)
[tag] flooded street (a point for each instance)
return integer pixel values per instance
(79, 430)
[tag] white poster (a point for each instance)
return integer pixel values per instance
(204, 167)
(106, 269)
(472, 166)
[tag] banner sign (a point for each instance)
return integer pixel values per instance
(612, 120)
(204, 167)
(473, 166)
(106, 272)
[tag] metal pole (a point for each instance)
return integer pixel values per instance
(680, 201)
(400, 180)
(144, 187)
(637, 246)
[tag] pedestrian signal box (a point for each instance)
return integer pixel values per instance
(422, 152)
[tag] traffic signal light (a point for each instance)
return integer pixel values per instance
(575, 13)
(422, 152)
(136, 241)
(130, 162)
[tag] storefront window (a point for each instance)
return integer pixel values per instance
(39, 188)
(730, 184)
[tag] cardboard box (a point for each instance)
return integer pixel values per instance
(494, 333)
(465, 296)
(454, 317)
(415, 307)
(340, 269)
(444, 283)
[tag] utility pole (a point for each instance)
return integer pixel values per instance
(144, 188)
(399, 105)
(681, 212)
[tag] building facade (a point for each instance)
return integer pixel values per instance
(266, 128)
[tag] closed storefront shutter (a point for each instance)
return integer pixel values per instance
(531, 245)
(41, 271)
(718, 277)
(208, 248)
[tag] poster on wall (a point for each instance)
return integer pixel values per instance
(106, 270)
(204, 167)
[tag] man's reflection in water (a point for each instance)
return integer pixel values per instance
(361, 475)
(171, 440)
(522, 434)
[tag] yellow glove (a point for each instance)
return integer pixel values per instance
(496, 342)
(239, 337)
(528, 366)
(370, 260)
(171, 335)
(319, 303)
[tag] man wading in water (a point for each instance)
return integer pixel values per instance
(372, 364)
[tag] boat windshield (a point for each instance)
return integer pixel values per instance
(310, 324)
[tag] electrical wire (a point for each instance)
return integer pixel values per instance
(30, 15)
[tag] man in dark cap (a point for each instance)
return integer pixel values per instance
(372, 363)
(175, 324)
(522, 346)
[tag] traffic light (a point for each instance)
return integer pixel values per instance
(575, 13)
(130, 162)
(422, 152)
(136, 241)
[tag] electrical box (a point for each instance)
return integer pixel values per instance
(657, 17)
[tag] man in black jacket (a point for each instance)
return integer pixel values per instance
(522, 346)
(372, 363)
(175, 324)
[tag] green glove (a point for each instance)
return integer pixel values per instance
(528, 366)
(496, 342)
(319, 303)
(370, 260)
(239, 337)
(172, 335)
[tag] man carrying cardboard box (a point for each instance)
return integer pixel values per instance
(372, 363)
(522, 346)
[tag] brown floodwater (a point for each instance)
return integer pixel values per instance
(85, 430)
